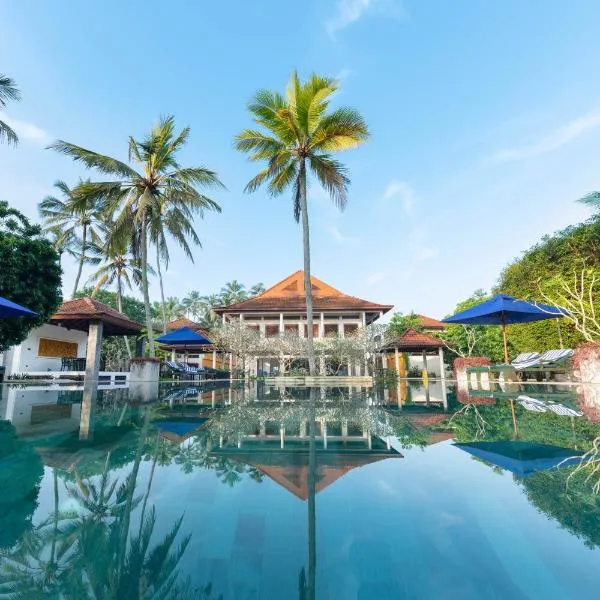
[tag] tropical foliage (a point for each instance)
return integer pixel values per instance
(8, 92)
(297, 134)
(400, 323)
(151, 199)
(30, 274)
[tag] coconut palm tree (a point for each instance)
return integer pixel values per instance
(193, 304)
(8, 92)
(119, 268)
(138, 195)
(74, 220)
(592, 199)
(256, 289)
(232, 292)
(297, 134)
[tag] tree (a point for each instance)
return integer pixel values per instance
(68, 217)
(137, 197)
(233, 292)
(287, 347)
(238, 339)
(299, 133)
(401, 323)
(256, 289)
(30, 274)
(8, 92)
(119, 269)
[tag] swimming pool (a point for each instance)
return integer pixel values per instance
(259, 492)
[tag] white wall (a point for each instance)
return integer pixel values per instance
(433, 363)
(24, 357)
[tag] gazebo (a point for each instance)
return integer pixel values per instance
(413, 342)
(98, 320)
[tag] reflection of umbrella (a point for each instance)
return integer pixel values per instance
(522, 458)
(505, 310)
(11, 309)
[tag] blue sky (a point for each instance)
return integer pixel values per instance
(485, 121)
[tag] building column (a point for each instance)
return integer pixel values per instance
(262, 328)
(224, 320)
(281, 328)
(340, 327)
(443, 377)
(397, 359)
(94, 348)
(322, 326)
(383, 360)
(424, 355)
(364, 319)
(301, 329)
(214, 362)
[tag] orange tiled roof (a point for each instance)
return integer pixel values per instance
(76, 314)
(414, 340)
(288, 295)
(185, 322)
(429, 323)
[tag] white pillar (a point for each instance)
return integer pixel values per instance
(301, 329)
(241, 317)
(340, 327)
(324, 427)
(214, 363)
(397, 359)
(443, 376)
(281, 329)
(364, 319)
(224, 320)
(322, 326)
(173, 356)
(94, 348)
(262, 328)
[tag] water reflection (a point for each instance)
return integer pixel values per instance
(185, 497)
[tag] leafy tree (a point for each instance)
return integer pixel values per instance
(30, 274)
(401, 323)
(8, 92)
(232, 292)
(298, 133)
(140, 197)
(69, 216)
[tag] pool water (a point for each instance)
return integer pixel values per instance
(256, 492)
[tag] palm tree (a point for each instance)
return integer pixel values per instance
(193, 304)
(297, 133)
(137, 197)
(592, 199)
(8, 91)
(120, 268)
(232, 292)
(256, 289)
(66, 217)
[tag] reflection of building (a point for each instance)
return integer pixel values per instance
(282, 309)
(415, 348)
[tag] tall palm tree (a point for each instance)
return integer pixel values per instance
(8, 92)
(298, 133)
(256, 289)
(74, 220)
(137, 195)
(193, 304)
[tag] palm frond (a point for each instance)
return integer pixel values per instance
(93, 160)
(592, 199)
(8, 134)
(342, 129)
(8, 90)
(332, 176)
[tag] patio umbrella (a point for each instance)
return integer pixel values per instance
(522, 458)
(505, 310)
(11, 309)
(183, 337)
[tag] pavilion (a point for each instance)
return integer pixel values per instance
(70, 343)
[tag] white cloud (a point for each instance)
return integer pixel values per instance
(401, 190)
(338, 236)
(554, 140)
(350, 11)
(28, 131)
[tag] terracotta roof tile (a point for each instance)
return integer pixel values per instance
(288, 295)
(81, 310)
(414, 340)
(429, 323)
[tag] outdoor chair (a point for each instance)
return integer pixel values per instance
(175, 368)
(188, 370)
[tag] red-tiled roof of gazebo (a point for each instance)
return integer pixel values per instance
(77, 314)
(414, 341)
(288, 296)
(429, 323)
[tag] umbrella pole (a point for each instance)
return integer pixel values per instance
(504, 341)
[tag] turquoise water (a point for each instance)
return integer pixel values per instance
(277, 493)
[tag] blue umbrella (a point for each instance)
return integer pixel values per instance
(522, 458)
(505, 310)
(183, 337)
(11, 309)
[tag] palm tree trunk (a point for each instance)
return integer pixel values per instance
(81, 260)
(307, 281)
(144, 244)
(162, 291)
(120, 307)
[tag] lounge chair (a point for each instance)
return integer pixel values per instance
(536, 405)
